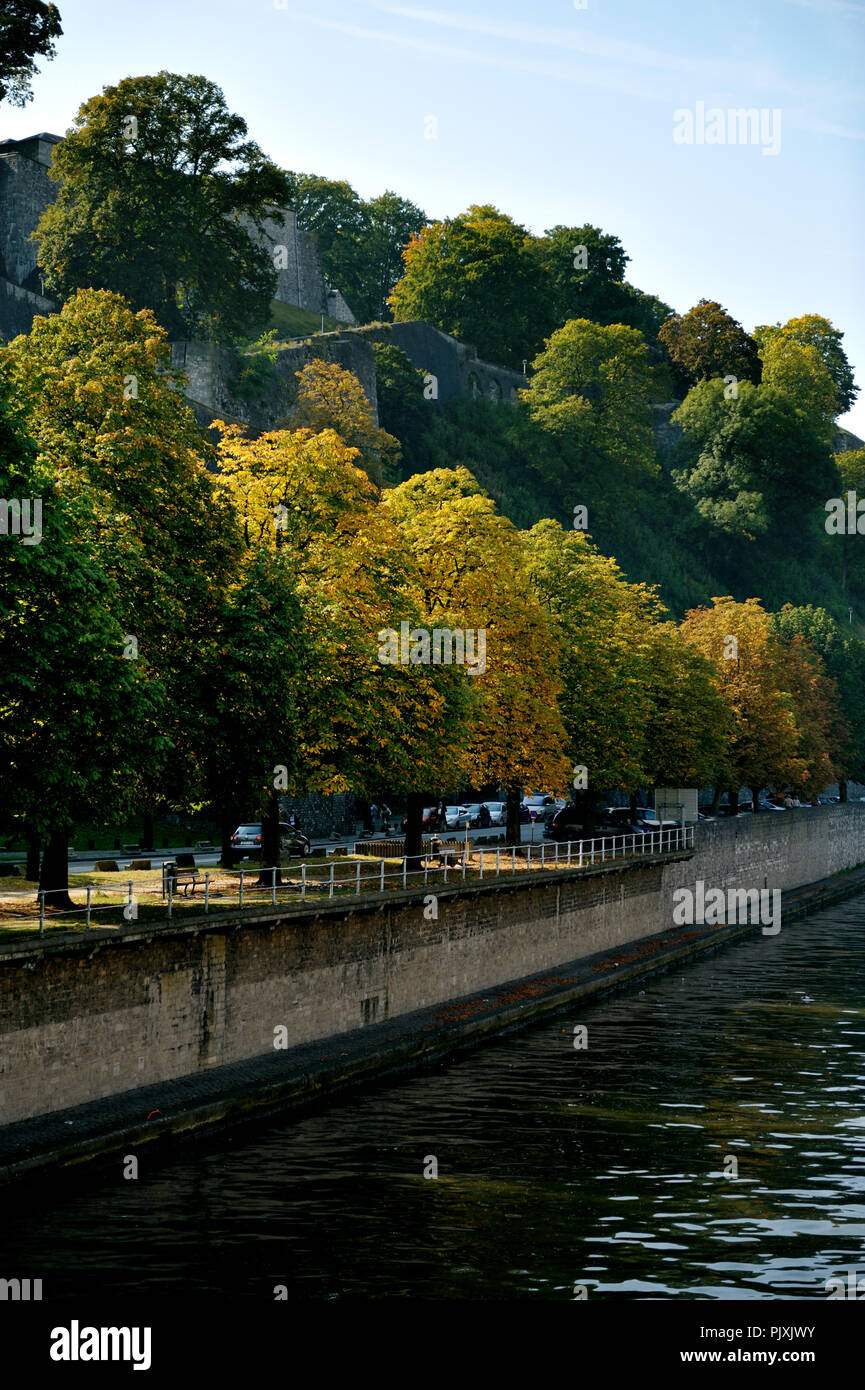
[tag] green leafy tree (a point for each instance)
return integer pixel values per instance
(28, 29)
(757, 466)
(157, 186)
(108, 418)
(587, 269)
(843, 657)
(476, 276)
(331, 398)
(814, 331)
(707, 342)
(593, 383)
(78, 722)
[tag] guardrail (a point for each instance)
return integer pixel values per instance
(346, 880)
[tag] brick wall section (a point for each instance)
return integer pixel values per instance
(101, 1016)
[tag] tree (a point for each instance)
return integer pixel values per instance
(28, 29)
(476, 276)
(586, 268)
(707, 342)
(107, 415)
(389, 224)
(756, 464)
(78, 723)
(472, 574)
(605, 635)
(812, 330)
(755, 679)
(360, 243)
(157, 187)
(843, 657)
(594, 384)
(329, 397)
(305, 494)
(257, 660)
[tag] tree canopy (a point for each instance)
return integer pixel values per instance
(157, 187)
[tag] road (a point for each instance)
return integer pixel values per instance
(85, 863)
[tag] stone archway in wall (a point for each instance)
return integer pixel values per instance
(494, 392)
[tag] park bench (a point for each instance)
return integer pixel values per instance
(448, 856)
(184, 880)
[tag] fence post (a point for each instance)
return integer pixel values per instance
(498, 863)
(170, 895)
(569, 853)
(381, 879)
(481, 864)
(240, 894)
(129, 904)
(41, 913)
(513, 861)
(87, 924)
(207, 890)
(528, 856)
(357, 879)
(556, 862)
(332, 867)
(404, 872)
(303, 883)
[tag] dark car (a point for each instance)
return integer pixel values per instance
(565, 824)
(428, 821)
(246, 840)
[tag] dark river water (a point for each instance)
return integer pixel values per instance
(556, 1167)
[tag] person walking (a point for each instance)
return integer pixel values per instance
(373, 814)
(386, 814)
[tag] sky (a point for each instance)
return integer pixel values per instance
(552, 112)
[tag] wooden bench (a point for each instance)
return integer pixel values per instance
(185, 881)
(445, 856)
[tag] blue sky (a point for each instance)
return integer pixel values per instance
(553, 113)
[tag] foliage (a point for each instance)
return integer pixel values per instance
(475, 276)
(329, 397)
(156, 179)
(812, 330)
(707, 342)
(28, 29)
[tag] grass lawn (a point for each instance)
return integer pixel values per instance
(291, 322)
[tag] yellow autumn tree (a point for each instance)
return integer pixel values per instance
(472, 575)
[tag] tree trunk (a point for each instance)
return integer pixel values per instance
(632, 802)
(733, 796)
(54, 878)
(716, 801)
(270, 850)
(414, 831)
(147, 841)
(34, 850)
(226, 821)
(513, 832)
(755, 797)
(842, 788)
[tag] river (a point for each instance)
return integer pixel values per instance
(709, 1143)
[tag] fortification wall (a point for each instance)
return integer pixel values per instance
(97, 1016)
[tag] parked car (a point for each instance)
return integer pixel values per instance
(498, 812)
(246, 840)
(767, 805)
(469, 815)
(539, 802)
(428, 820)
(452, 817)
(565, 824)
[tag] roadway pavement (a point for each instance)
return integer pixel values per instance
(84, 863)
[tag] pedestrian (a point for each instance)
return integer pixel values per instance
(385, 818)
(484, 816)
(788, 802)
(373, 814)
(368, 822)
(441, 817)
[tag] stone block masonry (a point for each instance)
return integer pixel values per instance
(96, 1017)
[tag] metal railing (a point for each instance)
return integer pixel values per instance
(347, 880)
